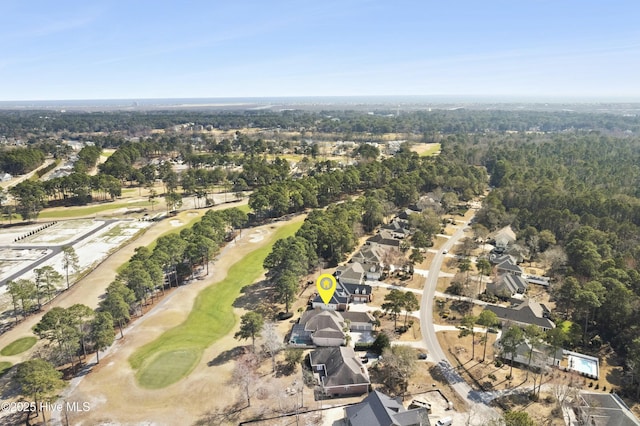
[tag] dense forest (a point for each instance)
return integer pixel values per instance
(580, 190)
(24, 124)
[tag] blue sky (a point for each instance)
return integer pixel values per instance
(162, 49)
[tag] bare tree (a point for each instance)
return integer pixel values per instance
(565, 391)
(244, 375)
(272, 342)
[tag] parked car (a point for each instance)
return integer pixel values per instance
(445, 421)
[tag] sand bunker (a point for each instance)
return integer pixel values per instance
(175, 222)
(256, 236)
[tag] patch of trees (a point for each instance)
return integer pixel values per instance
(87, 158)
(579, 192)
(400, 180)
(174, 258)
(18, 161)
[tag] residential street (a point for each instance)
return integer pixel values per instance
(477, 405)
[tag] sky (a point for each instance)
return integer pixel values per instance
(135, 49)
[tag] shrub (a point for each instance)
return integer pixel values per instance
(492, 377)
(362, 347)
(499, 363)
(284, 315)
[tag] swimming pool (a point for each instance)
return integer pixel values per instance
(583, 364)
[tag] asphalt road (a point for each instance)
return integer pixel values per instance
(476, 400)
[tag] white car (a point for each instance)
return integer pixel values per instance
(445, 251)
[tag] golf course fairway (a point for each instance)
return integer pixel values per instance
(177, 351)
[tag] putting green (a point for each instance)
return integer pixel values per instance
(177, 351)
(18, 346)
(166, 366)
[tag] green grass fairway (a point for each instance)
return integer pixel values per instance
(86, 211)
(177, 351)
(19, 346)
(4, 366)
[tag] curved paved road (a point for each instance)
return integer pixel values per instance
(476, 400)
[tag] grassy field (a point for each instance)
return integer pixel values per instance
(87, 211)
(176, 352)
(4, 366)
(426, 149)
(19, 346)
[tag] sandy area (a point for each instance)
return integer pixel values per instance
(111, 388)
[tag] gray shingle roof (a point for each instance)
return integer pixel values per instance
(342, 366)
(380, 409)
(507, 265)
(607, 410)
(528, 312)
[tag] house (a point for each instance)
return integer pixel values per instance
(527, 312)
(497, 259)
(603, 409)
(351, 273)
(5, 177)
(344, 294)
(357, 273)
(503, 238)
(540, 357)
(518, 253)
(358, 321)
(399, 228)
(321, 327)
(406, 213)
(380, 409)
(339, 371)
(508, 267)
(369, 254)
(385, 238)
(507, 285)
(339, 301)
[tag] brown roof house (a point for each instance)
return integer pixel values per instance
(339, 371)
(381, 410)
